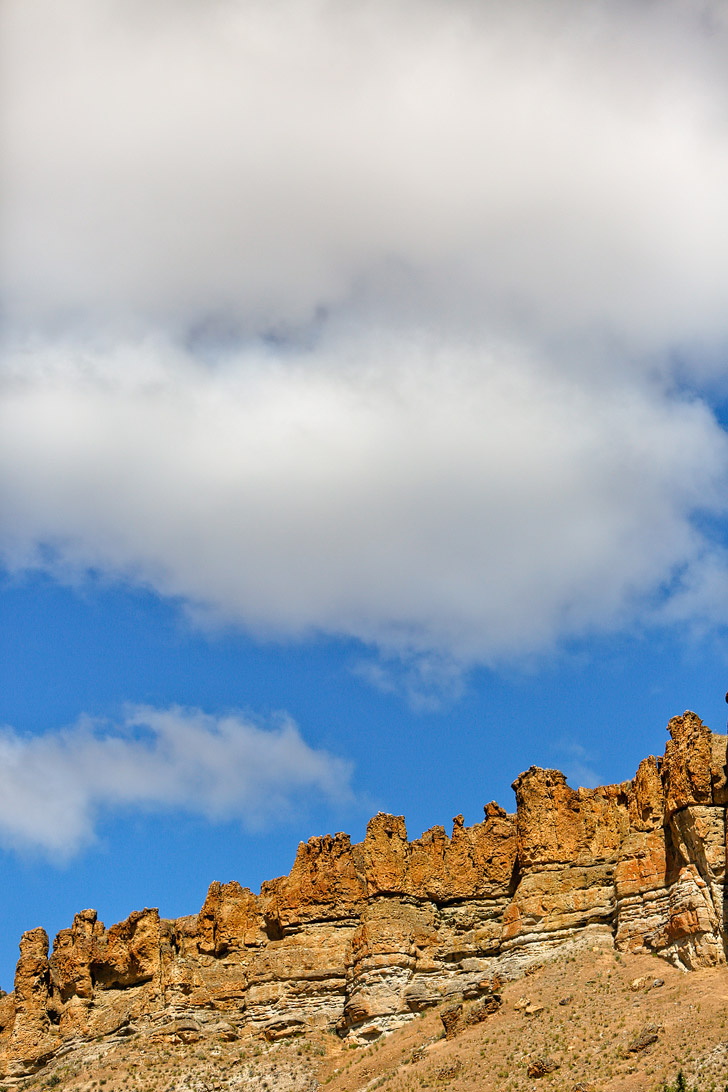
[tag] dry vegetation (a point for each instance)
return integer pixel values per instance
(571, 1023)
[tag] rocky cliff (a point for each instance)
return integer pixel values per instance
(359, 938)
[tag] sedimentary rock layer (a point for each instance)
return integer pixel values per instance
(359, 938)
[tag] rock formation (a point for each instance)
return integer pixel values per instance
(359, 938)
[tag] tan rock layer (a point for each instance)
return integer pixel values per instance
(360, 938)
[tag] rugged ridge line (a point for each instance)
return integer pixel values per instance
(359, 938)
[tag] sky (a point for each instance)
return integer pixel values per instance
(363, 421)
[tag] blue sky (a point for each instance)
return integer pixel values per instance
(594, 711)
(362, 422)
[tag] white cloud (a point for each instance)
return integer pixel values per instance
(578, 764)
(469, 502)
(258, 159)
(481, 233)
(54, 787)
(427, 681)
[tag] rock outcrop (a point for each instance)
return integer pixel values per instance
(359, 938)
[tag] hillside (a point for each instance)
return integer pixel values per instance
(585, 1013)
(575, 893)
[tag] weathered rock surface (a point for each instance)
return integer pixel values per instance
(359, 938)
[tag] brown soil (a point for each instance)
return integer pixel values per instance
(583, 1015)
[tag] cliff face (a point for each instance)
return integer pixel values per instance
(359, 938)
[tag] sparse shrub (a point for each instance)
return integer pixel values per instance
(680, 1085)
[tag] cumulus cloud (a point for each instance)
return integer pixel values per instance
(54, 787)
(383, 319)
(471, 503)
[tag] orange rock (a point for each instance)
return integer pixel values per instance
(646, 796)
(385, 856)
(643, 864)
(686, 767)
(477, 862)
(719, 770)
(132, 950)
(324, 883)
(74, 950)
(558, 825)
(230, 919)
(33, 1038)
